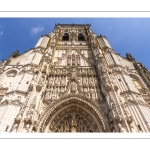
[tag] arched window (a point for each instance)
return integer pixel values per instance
(137, 84)
(8, 78)
(11, 73)
(65, 37)
(81, 37)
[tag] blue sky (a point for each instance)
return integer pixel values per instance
(126, 35)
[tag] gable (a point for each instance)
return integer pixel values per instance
(73, 58)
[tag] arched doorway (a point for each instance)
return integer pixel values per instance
(72, 115)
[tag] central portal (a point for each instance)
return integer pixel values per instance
(73, 119)
(72, 115)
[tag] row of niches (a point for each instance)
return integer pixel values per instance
(67, 70)
(90, 92)
(63, 80)
(57, 81)
(53, 93)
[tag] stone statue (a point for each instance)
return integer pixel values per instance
(92, 93)
(41, 81)
(62, 89)
(47, 95)
(57, 81)
(69, 60)
(14, 129)
(78, 60)
(27, 127)
(132, 127)
(84, 81)
(90, 81)
(63, 82)
(73, 124)
(121, 129)
(51, 81)
(73, 87)
(54, 95)
(84, 89)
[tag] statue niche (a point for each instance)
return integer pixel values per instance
(73, 87)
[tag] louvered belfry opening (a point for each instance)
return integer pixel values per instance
(65, 37)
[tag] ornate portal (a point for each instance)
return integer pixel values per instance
(73, 119)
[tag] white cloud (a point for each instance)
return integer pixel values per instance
(1, 33)
(35, 30)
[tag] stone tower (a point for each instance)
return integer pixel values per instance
(73, 81)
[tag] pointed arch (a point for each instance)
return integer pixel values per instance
(81, 37)
(137, 81)
(63, 105)
(8, 76)
(65, 37)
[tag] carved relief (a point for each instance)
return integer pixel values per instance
(73, 87)
(14, 128)
(73, 121)
(133, 127)
(121, 129)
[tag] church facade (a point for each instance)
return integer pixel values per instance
(73, 81)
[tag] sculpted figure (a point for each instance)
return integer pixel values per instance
(47, 95)
(57, 81)
(51, 81)
(121, 129)
(54, 94)
(78, 60)
(69, 60)
(62, 89)
(41, 81)
(85, 89)
(90, 81)
(73, 87)
(84, 81)
(92, 93)
(27, 127)
(132, 127)
(14, 129)
(63, 81)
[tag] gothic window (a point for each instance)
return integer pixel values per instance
(137, 84)
(81, 37)
(8, 78)
(11, 74)
(65, 37)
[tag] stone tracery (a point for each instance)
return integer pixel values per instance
(73, 121)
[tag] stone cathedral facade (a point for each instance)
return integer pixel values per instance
(73, 81)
